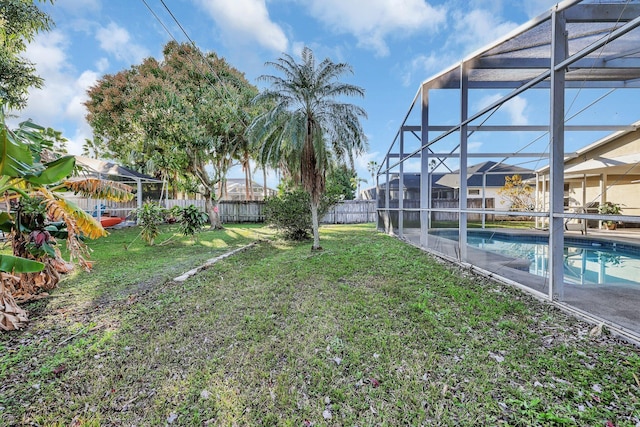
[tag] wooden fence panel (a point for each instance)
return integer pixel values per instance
(231, 211)
(237, 211)
(351, 212)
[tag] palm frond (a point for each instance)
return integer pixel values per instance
(102, 189)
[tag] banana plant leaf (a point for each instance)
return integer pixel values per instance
(6, 223)
(15, 157)
(54, 171)
(14, 264)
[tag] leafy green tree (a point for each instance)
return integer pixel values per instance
(341, 182)
(191, 220)
(20, 21)
(93, 148)
(186, 115)
(306, 126)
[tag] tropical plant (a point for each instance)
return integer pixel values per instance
(150, 215)
(610, 208)
(342, 181)
(37, 212)
(306, 126)
(372, 167)
(191, 220)
(289, 211)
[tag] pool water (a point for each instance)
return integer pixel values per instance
(586, 261)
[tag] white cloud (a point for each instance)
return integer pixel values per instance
(534, 8)
(474, 147)
(424, 66)
(515, 108)
(47, 52)
(246, 21)
(373, 22)
(478, 27)
(75, 109)
(117, 41)
(58, 104)
(102, 65)
(471, 29)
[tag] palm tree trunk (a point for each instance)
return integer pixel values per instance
(315, 226)
(264, 180)
(248, 181)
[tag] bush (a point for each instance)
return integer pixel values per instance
(150, 216)
(290, 212)
(191, 219)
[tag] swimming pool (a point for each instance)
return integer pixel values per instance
(587, 261)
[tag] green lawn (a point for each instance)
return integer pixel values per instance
(368, 331)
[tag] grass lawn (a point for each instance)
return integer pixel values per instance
(368, 331)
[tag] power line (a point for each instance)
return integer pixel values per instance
(202, 56)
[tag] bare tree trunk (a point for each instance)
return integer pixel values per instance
(315, 225)
(211, 205)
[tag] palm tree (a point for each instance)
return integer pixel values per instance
(306, 125)
(372, 167)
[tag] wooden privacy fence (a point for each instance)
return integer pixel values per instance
(230, 210)
(346, 212)
(351, 212)
(236, 211)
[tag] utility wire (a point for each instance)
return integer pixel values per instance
(222, 82)
(202, 56)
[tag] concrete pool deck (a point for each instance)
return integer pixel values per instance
(615, 305)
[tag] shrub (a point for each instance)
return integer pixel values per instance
(191, 219)
(150, 216)
(290, 212)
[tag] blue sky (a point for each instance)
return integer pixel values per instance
(392, 45)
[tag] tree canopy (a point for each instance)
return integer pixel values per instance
(306, 126)
(177, 117)
(20, 21)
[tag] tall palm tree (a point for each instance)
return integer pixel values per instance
(306, 124)
(372, 167)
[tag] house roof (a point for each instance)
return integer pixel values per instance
(101, 167)
(412, 180)
(611, 164)
(238, 185)
(495, 174)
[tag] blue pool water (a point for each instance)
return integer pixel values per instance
(586, 261)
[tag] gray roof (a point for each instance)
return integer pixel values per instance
(108, 169)
(495, 175)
